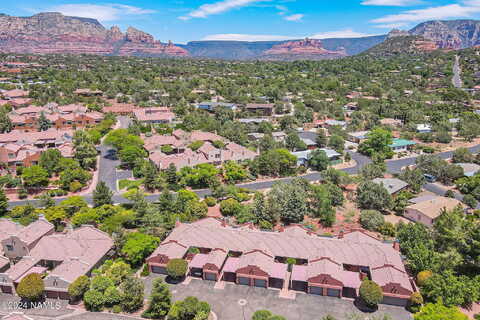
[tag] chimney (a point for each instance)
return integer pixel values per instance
(396, 245)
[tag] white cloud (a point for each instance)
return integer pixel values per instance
(348, 33)
(294, 17)
(467, 9)
(110, 12)
(393, 3)
(218, 7)
(248, 37)
(392, 25)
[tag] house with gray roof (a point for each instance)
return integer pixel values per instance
(393, 185)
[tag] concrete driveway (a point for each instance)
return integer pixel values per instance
(237, 302)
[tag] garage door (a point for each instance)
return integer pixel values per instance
(6, 289)
(260, 283)
(157, 269)
(316, 290)
(63, 295)
(52, 294)
(333, 292)
(395, 301)
(210, 276)
(244, 281)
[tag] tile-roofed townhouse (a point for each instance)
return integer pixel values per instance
(15, 93)
(154, 115)
(123, 109)
(63, 257)
(325, 266)
(19, 148)
(183, 156)
(427, 210)
(19, 244)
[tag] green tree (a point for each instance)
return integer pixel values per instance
(318, 160)
(189, 309)
(130, 154)
(372, 171)
(371, 195)
(370, 293)
(337, 143)
(3, 203)
(138, 246)
(414, 178)
(321, 139)
(49, 160)
(276, 162)
(35, 177)
(31, 287)
(5, 122)
(294, 143)
(43, 123)
(288, 201)
(77, 288)
(371, 220)
(462, 155)
(102, 195)
(73, 204)
(94, 300)
(265, 315)
(160, 300)
(234, 172)
(132, 290)
(86, 155)
(378, 142)
(177, 268)
(230, 207)
(438, 311)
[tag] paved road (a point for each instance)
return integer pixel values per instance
(107, 167)
(108, 173)
(457, 80)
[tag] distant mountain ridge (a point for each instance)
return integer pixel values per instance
(450, 34)
(52, 32)
(246, 50)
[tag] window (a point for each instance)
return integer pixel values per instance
(55, 283)
(9, 247)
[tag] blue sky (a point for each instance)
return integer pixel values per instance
(252, 20)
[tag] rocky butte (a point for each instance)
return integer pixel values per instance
(52, 32)
(310, 49)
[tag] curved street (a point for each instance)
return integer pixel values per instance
(108, 173)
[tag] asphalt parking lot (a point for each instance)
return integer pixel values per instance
(237, 302)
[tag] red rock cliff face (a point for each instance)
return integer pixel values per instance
(302, 49)
(54, 33)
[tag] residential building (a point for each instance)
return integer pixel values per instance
(424, 128)
(183, 156)
(15, 93)
(211, 106)
(393, 185)
(304, 156)
(266, 109)
(391, 122)
(62, 258)
(61, 117)
(469, 169)
(427, 210)
(277, 136)
(358, 136)
(160, 115)
(247, 256)
(402, 145)
(23, 149)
